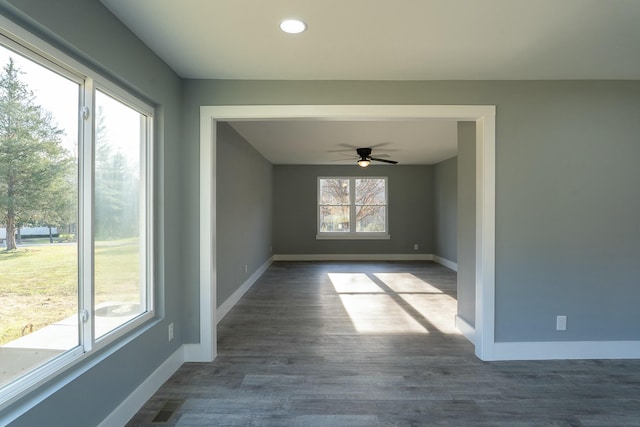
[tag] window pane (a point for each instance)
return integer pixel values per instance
(370, 219)
(334, 219)
(120, 291)
(334, 191)
(370, 201)
(370, 191)
(38, 209)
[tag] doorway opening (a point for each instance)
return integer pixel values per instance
(482, 332)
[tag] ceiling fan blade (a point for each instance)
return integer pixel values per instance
(380, 144)
(347, 146)
(349, 150)
(393, 162)
(345, 155)
(353, 147)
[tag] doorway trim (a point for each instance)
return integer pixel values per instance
(482, 334)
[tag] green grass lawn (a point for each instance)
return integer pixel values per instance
(39, 284)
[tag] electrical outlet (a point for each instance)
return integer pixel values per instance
(415, 246)
(561, 323)
(170, 329)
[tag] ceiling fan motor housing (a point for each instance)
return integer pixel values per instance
(364, 153)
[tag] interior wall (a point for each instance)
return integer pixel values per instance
(556, 210)
(91, 389)
(466, 221)
(410, 210)
(244, 211)
(446, 209)
(567, 206)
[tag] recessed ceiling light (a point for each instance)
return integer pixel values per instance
(293, 26)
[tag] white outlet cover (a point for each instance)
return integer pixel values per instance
(561, 323)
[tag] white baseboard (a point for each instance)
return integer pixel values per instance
(226, 306)
(566, 350)
(353, 257)
(367, 257)
(449, 264)
(466, 329)
(196, 353)
(132, 403)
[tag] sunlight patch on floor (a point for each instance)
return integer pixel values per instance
(379, 314)
(406, 282)
(350, 283)
(437, 309)
(395, 303)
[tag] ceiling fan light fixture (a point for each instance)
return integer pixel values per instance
(363, 163)
(293, 26)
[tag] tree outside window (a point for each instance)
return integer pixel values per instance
(37, 174)
(352, 206)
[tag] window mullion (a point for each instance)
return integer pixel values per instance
(85, 216)
(386, 205)
(146, 223)
(352, 203)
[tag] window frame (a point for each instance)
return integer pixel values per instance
(353, 234)
(26, 44)
(146, 226)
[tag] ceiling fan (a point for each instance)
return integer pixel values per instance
(365, 158)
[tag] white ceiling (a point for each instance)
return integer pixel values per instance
(384, 40)
(391, 39)
(325, 142)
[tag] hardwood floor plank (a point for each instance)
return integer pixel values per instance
(374, 344)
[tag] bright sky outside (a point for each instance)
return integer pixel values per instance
(60, 96)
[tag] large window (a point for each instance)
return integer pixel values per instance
(352, 208)
(75, 216)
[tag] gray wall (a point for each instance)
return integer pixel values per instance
(445, 181)
(410, 210)
(466, 221)
(567, 202)
(88, 31)
(567, 199)
(244, 215)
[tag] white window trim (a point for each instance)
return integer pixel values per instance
(41, 52)
(353, 235)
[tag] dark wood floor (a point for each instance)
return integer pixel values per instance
(373, 344)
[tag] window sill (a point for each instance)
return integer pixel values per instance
(350, 236)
